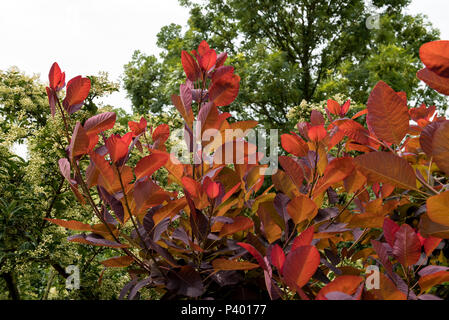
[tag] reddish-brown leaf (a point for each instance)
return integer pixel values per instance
(277, 257)
(99, 123)
(225, 264)
(56, 77)
(80, 142)
(118, 262)
(191, 67)
(398, 172)
(428, 281)
(388, 114)
(138, 127)
(293, 169)
(224, 91)
(390, 228)
(426, 137)
(407, 247)
(440, 146)
(436, 82)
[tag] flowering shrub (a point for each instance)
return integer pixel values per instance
(355, 211)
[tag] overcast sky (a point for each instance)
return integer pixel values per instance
(87, 36)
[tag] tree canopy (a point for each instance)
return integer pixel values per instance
(289, 51)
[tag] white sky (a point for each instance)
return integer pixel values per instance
(88, 36)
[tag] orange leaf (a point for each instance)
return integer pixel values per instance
(438, 208)
(118, 262)
(302, 208)
(347, 284)
(71, 224)
(434, 55)
(240, 224)
(428, 281)
(169, 210)
(294, 145)
(225, 264)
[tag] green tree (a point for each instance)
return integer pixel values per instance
(288, 51)
(33, 252)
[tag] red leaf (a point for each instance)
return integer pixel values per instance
(212, 188)
(388, 114)
(390, 228)
(430, 244)
(80, 141)
(149, 164)
(138, 127)
(294, 145)
(77, 91)
(256, 254)
(161, 134)
(56, 78)
(317, 133)
(207, 60)
(99, 123)
(354, 130)
(190, 66)
(333, 107)
(345, 108)
(293, 169)
(277, 256)
(300, 265)
(407, 247)
(118, 146)
(435, 56)
(191, 186)
(224, 91)
(304, 239)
